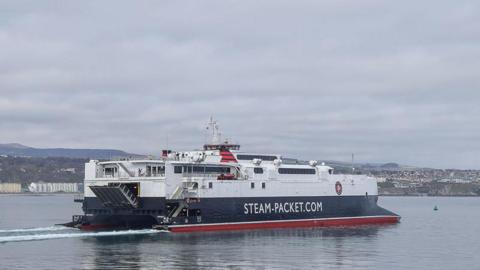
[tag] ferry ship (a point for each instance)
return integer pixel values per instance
(222, 188)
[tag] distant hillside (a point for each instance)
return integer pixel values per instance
(346, 167)
(50, 169)
(18, 150)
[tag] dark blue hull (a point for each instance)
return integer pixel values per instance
(237, 213)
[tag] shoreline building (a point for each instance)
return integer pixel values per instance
(10, 188)
(41, 187)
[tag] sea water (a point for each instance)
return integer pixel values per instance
(424, 239)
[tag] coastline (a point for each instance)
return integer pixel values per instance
(40, 193)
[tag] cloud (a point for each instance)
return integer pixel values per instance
(311, 79)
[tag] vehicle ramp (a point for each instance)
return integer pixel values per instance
(116, 196)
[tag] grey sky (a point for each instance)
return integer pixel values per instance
(389, 80)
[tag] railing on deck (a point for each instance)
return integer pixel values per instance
(202, 175)
(124, 175)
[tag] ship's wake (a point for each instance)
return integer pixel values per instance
(38, 229)
(58, 232)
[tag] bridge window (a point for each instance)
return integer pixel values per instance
(210, 185)
(258, 170)
(177, 169)
(296, 171)
(263, 185)
(252, 185)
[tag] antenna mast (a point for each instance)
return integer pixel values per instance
(216, 135)
(353, 159)
(217, 143)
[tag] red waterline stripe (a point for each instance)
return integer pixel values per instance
(288, 224)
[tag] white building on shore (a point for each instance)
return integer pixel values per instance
(10, 188)
(41, 187)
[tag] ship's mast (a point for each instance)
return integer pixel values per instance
(216, 141)
(216, 135)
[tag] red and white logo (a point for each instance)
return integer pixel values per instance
(338, 188)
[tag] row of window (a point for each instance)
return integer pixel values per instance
(288, 171)
(251, 157)
(200, 169)
(220, 170)
(154, 170)
(296, 171)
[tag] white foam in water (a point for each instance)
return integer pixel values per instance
(32, 237)
(39, 229)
